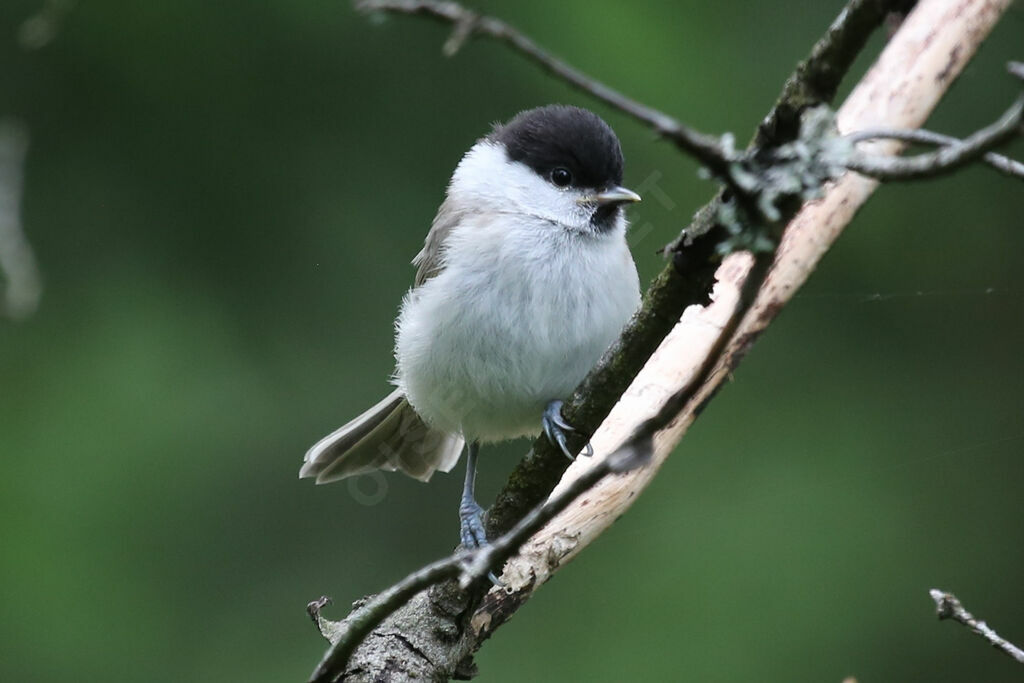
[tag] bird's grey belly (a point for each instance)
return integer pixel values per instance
(525, 373)
(485, 345)
(487, 368)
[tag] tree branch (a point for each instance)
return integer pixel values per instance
(708, 149)
(948, 607)
(945, 160)
(442, 627)
(997, 161)
(693, 260)
(935, 36)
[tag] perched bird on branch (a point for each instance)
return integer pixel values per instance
(524, 280)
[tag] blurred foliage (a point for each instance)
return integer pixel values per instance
(224, 198)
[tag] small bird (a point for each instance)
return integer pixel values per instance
(524, 280)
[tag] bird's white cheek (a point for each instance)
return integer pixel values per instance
(486, 179)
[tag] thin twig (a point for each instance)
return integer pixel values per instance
(946, 159)
(708, 149)
(948, 607)
(1001, 163)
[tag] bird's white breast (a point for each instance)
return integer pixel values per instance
(521, 311)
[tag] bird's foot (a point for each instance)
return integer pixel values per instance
(472, 530)
(556, 427)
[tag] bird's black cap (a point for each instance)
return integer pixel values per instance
(558, 135)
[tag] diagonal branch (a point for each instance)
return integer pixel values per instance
(349, 633)
(449, 626)
(904, 78)
(948, 607)
(687, 279)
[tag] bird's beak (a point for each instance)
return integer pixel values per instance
(615, 195)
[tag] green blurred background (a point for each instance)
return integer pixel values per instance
(224, 198)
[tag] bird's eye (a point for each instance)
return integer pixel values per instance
(561, 177)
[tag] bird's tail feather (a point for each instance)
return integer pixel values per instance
(388, 436)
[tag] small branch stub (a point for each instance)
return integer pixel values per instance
(948, 607)
(330, 630)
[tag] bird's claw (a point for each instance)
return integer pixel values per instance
(555, 428)
(472, 531)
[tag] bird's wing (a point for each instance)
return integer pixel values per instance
(430, 261)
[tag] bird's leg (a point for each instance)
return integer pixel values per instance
(555, 427)
(470, 513)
